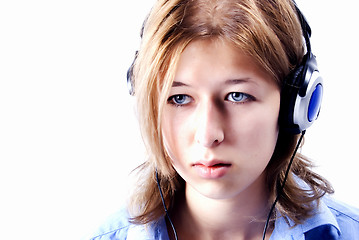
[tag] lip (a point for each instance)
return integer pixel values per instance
(212, 169)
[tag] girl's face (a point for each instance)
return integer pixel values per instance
(220, 123)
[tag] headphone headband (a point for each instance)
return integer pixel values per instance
(306, 29)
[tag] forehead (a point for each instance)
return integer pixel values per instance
(218, 60)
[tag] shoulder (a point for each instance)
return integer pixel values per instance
(347, 217)
(115, 227)
(118, 227)
(331, 220)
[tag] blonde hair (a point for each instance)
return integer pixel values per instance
(268, 31)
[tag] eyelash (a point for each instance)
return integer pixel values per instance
(247, 97)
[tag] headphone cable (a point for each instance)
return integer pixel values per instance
(164, 206)
(282, 186)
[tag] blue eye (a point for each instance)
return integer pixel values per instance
(238, 97)
(179, 100)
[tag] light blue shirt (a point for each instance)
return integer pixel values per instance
(332, 221)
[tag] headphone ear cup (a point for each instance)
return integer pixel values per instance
(301, 97)
(130, 77)
(289, 93)
(308, 103)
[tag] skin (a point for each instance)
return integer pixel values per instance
(220, 128)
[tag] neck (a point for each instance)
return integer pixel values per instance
(239, 217)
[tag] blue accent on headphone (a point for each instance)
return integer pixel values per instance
(315, 102)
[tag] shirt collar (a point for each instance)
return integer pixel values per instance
(322, 216)
(282, 231)
(156, 230)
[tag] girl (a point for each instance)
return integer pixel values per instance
(214, 81)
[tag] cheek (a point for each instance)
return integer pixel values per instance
(264, 137)
(172, 126)
(263, 123)
(256, 132)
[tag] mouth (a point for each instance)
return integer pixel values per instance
(212, 170)
(213, 163)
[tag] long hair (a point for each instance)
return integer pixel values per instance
(269, 32)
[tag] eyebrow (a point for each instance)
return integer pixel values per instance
(227, 82)
(237, 81)
(179, 84)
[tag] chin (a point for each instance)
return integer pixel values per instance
(217, 190)
(227, 188)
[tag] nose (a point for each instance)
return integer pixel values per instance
(209, 125)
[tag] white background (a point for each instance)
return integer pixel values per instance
(68, 133)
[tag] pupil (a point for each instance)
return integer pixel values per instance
(180, 98)
(236, 96)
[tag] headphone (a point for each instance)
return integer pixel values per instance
(302, 91)
(130, 78)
